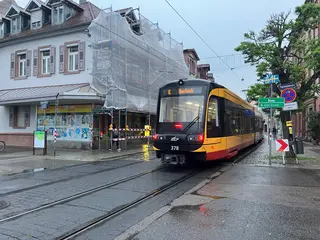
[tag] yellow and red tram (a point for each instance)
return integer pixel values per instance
(203, 121)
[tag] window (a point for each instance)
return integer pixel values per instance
(22, 59)
(213, 129)
(19, 117)
(73, 59)
(15, 25)
(58, 15)
(45, 62)
(36, 25)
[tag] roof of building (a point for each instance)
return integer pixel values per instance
(4, 6)
(192, 50)
(203, 66)
(30, 94)
(89, 13)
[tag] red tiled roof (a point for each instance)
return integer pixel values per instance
(203, 65)
(192, 50)
(89, 13)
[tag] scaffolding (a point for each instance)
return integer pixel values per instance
(132, 58)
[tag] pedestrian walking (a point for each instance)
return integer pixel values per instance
(115, 135)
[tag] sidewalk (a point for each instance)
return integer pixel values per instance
(249, 200)
(16, 160)
(310, 159)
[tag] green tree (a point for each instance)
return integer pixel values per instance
(257, 91)
(280, 49)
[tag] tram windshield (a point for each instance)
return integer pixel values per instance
(181, 110)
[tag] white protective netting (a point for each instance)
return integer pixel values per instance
(129, 68)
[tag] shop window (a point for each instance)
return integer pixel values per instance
(19, 117)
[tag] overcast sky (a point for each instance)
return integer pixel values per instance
(221, 23)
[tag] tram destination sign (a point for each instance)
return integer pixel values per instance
(271, 102)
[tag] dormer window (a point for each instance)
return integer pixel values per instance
(15, 24)
(58, 15)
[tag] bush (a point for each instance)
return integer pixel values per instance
(314, 125)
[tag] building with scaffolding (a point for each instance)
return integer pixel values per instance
(68, 67)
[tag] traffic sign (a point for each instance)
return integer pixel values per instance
(289, 95)
(282, 145)
(271, 102)
(290, 106)
(271, 79)
(283, 86)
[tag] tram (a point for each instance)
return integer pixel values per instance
(199, 120)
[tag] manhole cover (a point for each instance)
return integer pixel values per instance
(3, 204)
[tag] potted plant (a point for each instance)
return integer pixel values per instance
(314, 126)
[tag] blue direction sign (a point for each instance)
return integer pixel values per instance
(289, 95)
(271, 79)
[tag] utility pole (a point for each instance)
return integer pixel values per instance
(269, 132)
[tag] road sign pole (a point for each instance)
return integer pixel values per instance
(269, 133)
(283, 160)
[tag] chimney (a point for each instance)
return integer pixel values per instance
(82, 1)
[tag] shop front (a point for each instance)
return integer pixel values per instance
(73, 124)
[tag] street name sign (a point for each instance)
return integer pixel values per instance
(290, 106)
(282, 145)
(271, 102)
(283, 86)
(271, 79)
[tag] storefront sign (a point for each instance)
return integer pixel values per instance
(39, 139)
(67, 109)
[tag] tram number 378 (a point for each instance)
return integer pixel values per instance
(174, 148)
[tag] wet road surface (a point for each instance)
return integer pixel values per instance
(25, 193)
(247, 202)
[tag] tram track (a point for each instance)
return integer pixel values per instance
(85, 225)
(79, 195)
(103, 218)
(73, 177)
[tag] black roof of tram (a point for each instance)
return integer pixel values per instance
(194, 82)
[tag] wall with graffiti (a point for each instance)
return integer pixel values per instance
(72, 122)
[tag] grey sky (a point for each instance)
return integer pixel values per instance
(221, 23)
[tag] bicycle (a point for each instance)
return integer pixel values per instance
(2, 146)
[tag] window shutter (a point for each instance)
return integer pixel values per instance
(52, 59)
(28, 63)
(12, 66)
(81, 58)
(11, 116)
(61, 59)
(27, 117)
(35, 62)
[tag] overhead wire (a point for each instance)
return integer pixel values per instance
(214, 52)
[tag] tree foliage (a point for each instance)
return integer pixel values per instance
(279, 48)
(257, 91)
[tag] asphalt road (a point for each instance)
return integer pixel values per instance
(25, 192)
(247, 202)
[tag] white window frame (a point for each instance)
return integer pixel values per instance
(22, 62)
(15, 24)
(73, 58)
(47, 61)
(58, 15)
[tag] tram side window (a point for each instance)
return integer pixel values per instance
(232, 118)
(213, 125)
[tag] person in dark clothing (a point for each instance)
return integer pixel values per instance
(115, 134)
(274, 131)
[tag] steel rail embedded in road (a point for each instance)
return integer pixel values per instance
(73, 177)
(93, 223)
(104, 218)
(79, 195)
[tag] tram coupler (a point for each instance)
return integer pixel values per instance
(173, 159)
